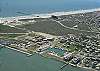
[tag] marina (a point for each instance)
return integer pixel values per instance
(21, 62)
(59, 51)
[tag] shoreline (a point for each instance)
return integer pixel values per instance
(46, 15)
(18, 50)
(58, 58)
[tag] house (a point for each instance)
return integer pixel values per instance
(68, 56)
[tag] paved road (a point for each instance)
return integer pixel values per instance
(12, 33)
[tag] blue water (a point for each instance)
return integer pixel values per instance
(10, 7)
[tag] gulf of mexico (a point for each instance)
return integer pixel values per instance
(12, 7)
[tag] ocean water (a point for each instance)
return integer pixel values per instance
(27, 7)
(11, 60)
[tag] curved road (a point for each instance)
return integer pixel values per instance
(73, 28)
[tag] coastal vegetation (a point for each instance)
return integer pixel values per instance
(8, 29)
(52, 27)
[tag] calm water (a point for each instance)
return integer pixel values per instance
(15, 61)
(57, 50)
(10, 7)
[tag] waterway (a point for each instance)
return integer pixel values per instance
(26, 7)
(11, 60)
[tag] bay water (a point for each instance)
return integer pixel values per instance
(11, 60)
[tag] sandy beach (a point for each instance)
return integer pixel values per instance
(46, 15)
